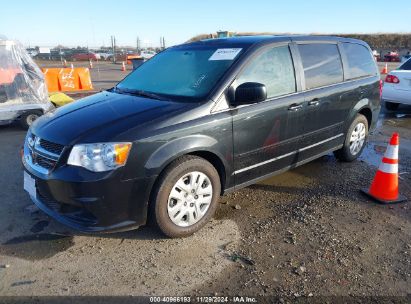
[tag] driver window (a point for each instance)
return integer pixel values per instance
(274, 68)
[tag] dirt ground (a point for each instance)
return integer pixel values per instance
(310, 232)
(305, 234)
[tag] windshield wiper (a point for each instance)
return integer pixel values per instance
(139, 93)
(148, 94)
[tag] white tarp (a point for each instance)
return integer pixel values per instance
(22, 84)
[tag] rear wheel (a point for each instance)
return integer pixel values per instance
(355, 140)
(27, 119)
(186, 196)
(392, 106)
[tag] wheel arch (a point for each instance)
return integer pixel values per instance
(197, 145)
(366, 111)
(34, 110)
(361, 107)
(217, 163)
(209, 156)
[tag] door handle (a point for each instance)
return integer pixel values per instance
(314, 102)
(295, 107)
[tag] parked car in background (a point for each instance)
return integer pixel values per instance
(392, 57)
(147, 54)
(196, 121)
(397, 86)
(85, 56)
(53, 55)
(105, 56)
(118, 56)
(110, 57)
(377, 56)
(124, 56)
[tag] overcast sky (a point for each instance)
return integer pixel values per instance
(91, 23)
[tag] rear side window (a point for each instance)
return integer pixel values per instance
(359, 60)
(406, 65)
(274, 68)
(322, 64)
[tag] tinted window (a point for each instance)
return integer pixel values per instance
(321, 63)
(406, 65)
(359, 60)
(273, 68)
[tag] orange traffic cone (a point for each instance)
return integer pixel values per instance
(123, 67)
(384, 188)
(385, 69)
(90, 64)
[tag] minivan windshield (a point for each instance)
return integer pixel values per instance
(186, 74)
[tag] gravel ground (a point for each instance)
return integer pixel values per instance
(310, 232)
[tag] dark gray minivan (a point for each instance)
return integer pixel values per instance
(196, 121)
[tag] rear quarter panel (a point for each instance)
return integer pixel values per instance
(367, 91)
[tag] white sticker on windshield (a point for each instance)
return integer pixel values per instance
(225, 54)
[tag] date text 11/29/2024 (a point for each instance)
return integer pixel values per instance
(206, 299)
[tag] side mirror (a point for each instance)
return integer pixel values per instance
(250, 92)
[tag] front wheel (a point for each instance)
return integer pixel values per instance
(355, 140)
(27, 119)
(185, 197)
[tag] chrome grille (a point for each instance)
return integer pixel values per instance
(42, 155)
(45, 162)
(51, 147)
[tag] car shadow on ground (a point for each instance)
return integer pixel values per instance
(45, 244)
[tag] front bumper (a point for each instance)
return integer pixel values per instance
(104, 205)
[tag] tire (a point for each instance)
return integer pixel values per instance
(392, 106)
(350, 150)
(27, 119)
(179, 217)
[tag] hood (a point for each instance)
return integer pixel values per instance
(102, 117)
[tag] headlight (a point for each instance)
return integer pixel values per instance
(100, 157)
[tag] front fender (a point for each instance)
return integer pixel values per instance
(171, 150)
